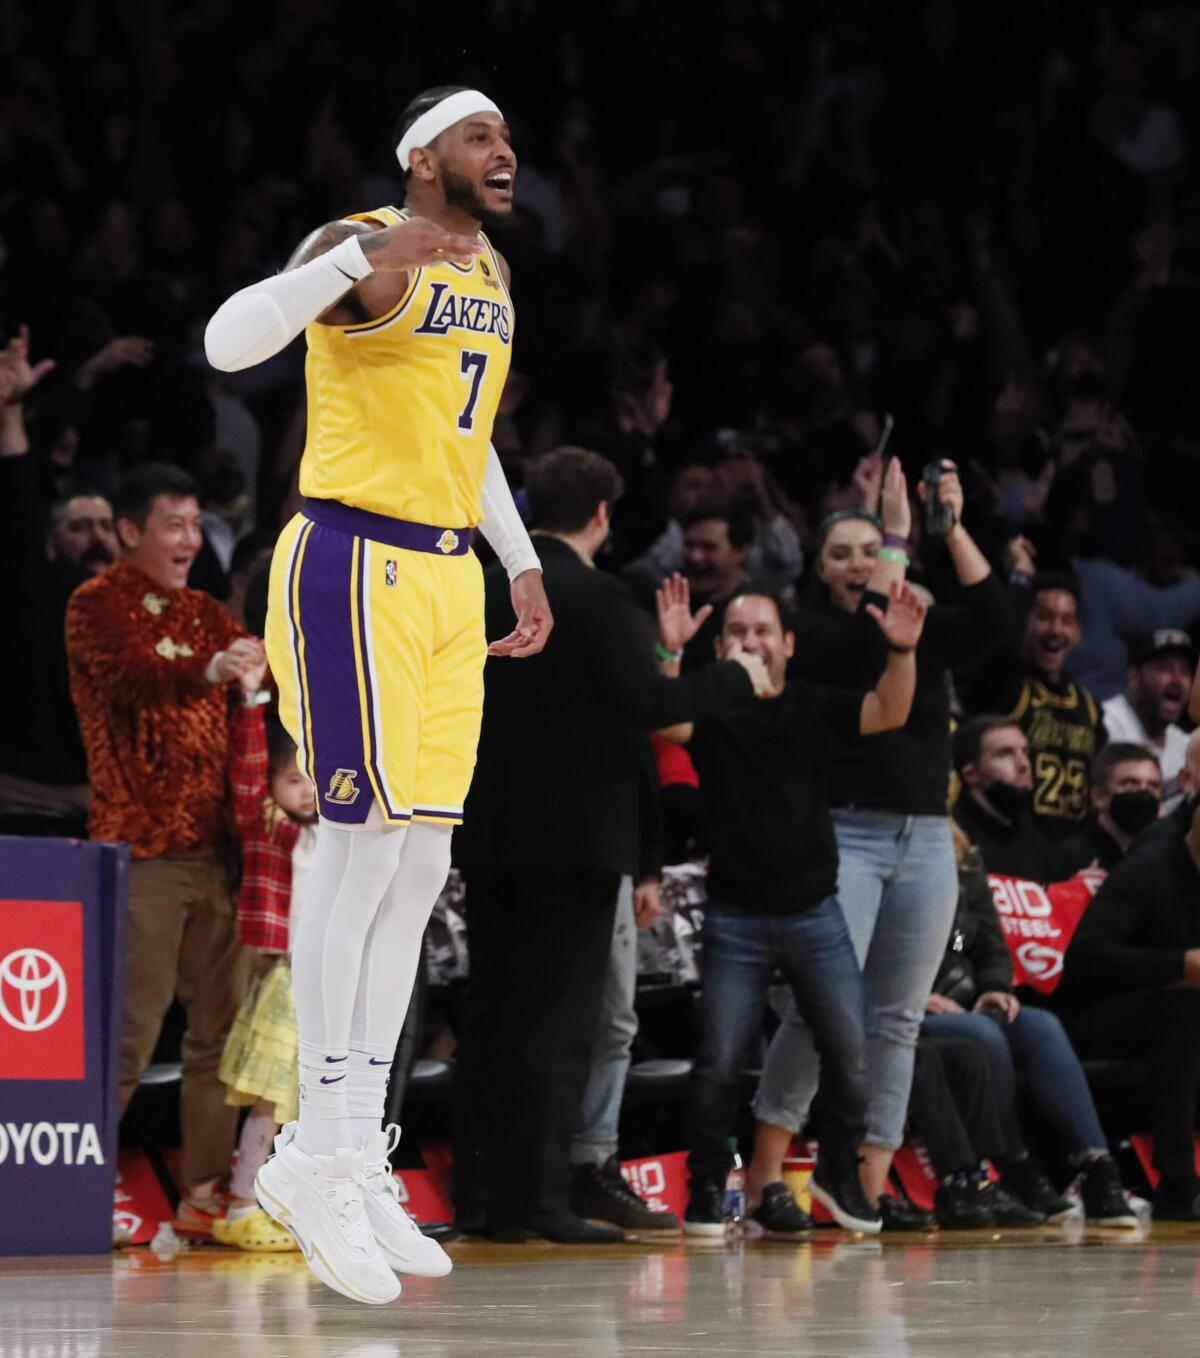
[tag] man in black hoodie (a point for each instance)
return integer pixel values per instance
(1131, 989)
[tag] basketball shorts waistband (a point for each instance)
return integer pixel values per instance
(408, 537)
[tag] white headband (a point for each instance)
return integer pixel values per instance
(434, 121)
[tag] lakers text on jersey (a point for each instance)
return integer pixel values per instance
(401, 408)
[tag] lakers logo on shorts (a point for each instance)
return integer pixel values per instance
(341, 787)
(448, 542)
(389, 573)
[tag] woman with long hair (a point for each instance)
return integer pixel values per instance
(897, 878)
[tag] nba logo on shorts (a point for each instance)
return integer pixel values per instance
(389, 573)
(41, 990)
(341, 787)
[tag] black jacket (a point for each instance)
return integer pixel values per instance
(556, 787)
(977, 959)
(905, 771)
(1136, 930)
(1019, 848)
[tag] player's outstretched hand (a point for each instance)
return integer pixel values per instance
(534, 619)
(417, 242)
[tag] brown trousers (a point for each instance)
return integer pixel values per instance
(182, 941)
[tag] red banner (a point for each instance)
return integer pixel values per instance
(41, 990)
(1143, 1144)
(916, 1173)
(661, 1181)
(1039, 922)
(139, 1203)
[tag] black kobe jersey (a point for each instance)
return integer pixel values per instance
(1065, 730)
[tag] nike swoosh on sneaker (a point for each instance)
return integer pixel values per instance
(331, 1079)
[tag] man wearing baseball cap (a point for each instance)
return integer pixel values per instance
(1161, 665)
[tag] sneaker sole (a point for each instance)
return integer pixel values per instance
(704, 1230)
(436, 1268)
(629, 1229)
(1127, 1223)
(320, 1266)
(839, 1213)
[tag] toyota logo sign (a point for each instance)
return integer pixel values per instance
(40, 987)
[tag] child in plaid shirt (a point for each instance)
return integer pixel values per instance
(275, 816)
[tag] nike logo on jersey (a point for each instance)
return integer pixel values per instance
(448, 310)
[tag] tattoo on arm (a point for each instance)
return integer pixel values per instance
(323, 239)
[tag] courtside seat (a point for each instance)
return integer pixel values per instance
(1121, 1094)
(430, 1081)
(664, 1078)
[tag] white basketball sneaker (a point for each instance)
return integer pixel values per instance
(398, 1236)
(319, 1200)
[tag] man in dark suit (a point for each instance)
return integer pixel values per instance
(551, 825)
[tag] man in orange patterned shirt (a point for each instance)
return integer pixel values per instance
(150, 662)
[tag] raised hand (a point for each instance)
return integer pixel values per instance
(950, 491)
(1022, 555)
(903, 622)
(868, 481)
(417, 242)
(893, 501)
(677, 624)
(21, 376)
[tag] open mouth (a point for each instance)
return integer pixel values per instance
(500, 182)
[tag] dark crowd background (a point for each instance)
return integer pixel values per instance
(745, 231)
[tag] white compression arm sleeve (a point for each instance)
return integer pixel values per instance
(262, 319)
(502, 526)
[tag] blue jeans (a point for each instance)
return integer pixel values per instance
(1037, 1042)
(742, 952)
(898, 887)
(600, 1116)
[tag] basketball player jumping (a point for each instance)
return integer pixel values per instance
(375, 636)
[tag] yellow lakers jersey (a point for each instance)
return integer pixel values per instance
(400, 409)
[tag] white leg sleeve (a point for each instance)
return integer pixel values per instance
(389, 969)
(502, 526)
(264, 318)
(350, 874)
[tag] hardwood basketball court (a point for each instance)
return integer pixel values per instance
(1036, 1294)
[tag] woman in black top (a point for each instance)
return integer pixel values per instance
(897, 880)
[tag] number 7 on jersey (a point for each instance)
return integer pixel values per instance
(473, 367)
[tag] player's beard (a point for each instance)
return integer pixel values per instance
(463, 195)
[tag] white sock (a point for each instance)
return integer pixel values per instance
(351, 871)
(389, 969)
(370, 1067)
